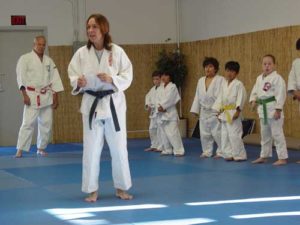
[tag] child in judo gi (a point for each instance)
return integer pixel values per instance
(151, 106)
(208, 89)
(230, 104)
(294, 77)
(168, 118)
(269, 94)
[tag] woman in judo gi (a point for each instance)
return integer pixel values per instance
(102, 71)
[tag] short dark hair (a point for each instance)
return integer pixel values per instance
(271, 56)
(211, 60)
(298, 44)
(156, 73)
(233, 66)
(168, 73)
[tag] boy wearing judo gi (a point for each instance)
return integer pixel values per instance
(229, 104)
(294, 77)
(207, 91)
(151, 106)
(269, 94)
(168, 119)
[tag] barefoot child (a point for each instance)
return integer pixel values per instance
(269, 94)
(168, 97)
(150, 105)
(230, 103)
(208, 89)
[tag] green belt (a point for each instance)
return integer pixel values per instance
(264, 102)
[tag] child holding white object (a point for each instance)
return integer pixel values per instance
(269, 93)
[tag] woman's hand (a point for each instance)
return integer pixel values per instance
(105, 77)
(81, 82)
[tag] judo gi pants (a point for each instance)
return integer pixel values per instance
(93, 141)
(269, 132)
(171, 138)
(210, 132)
(232, 144)
(44, 119)
(155, 134)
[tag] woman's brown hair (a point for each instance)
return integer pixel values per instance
(104, 28)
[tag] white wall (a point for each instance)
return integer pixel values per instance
(138, 21)
(132, 21)
(154, 21)
(204, 19)
(56, 15)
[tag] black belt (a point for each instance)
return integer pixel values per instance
(100, 95)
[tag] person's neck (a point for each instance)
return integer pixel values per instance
(98, 46)
(230, 80)
(267, 74)
(38, 54)
(165, 84)
(210, 76)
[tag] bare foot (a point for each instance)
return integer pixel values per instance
(149, 149)
(218, 157)
(229, 159)
(259, 160)
(41, 152)
(204, 156)
(240, 160)
(18, 154)
(280, 162)
(93, 197)
(165, 153)
(179, 155)
(123, 195)
(298, 162)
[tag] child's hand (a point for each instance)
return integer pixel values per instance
(195, 114)
(296, 95)
(277, 114)
(236, 115)
(253, 105)
(160, 109)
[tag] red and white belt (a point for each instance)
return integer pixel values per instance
(39, 91)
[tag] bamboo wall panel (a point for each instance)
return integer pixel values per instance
(247, 49)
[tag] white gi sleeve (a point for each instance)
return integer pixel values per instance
(196, 105)
(241, 96)
(171, 98)
(253, 95)
(56, 82)
(21, 71)
(294, 73)
(280, 93)
(124, 77)
(74, 71)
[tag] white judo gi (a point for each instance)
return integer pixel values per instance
(210, 127)
(168, 97)
(266, 88)
(294, 77)
(117, 64)
(40, 79)
(231, 97)
(154, 132)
